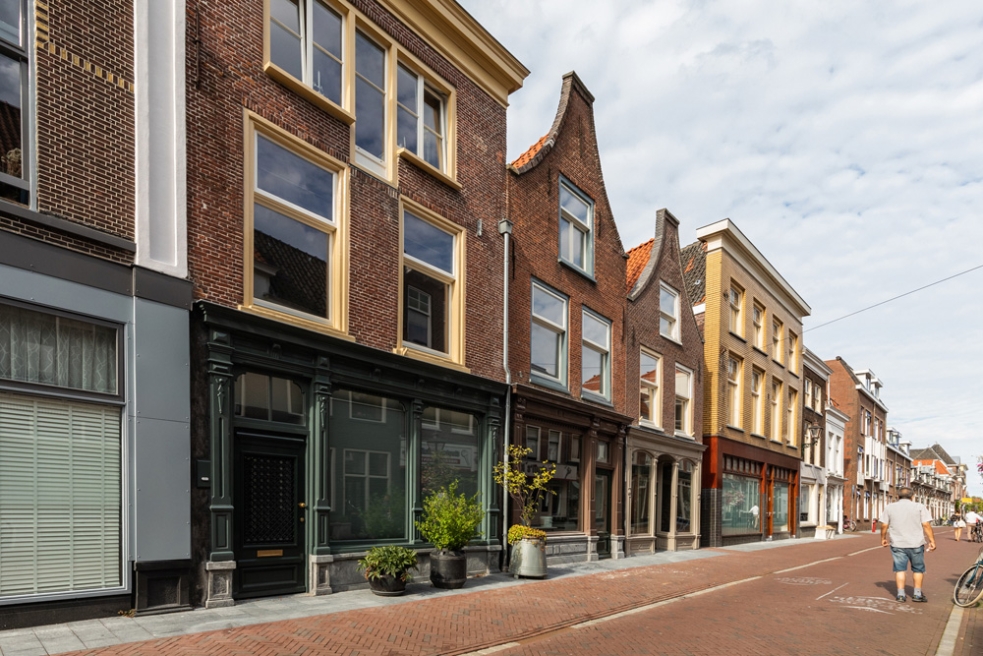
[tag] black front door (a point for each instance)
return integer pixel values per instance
(268, 521)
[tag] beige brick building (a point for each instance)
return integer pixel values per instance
(752, 426)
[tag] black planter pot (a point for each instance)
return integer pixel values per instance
(448, 569)
(387, 586)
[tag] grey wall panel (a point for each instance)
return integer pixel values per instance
(65, 295)
(162, 378)
(162, 490)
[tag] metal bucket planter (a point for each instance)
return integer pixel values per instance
(528, 559)
(448, 569)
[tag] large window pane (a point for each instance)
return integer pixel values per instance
(548, 306)
(684, 498)
(290, 266)
(740, 505)
(593, 371)
(294, 179)
(640, 492)
(545, 351)
(427, 243)
(368, 470)
(425, 319)
(11, 21)
(370, 86)
(449, 451)
(285, 41)
(574, 205)
(780, 522)
(326, 69)
(44, 349)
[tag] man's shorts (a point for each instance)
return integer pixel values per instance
(903, 556)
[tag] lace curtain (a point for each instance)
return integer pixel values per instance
(49, 350)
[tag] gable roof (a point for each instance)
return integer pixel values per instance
(934, 452)
(694, 260)
(528, 156)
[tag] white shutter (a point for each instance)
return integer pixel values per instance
(60, 499)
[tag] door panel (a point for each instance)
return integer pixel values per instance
(269, 515)
(602, 512)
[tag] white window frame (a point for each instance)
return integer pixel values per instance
(654, 390)
(777, 397)
(560, 330)
(307, 45)
(586, 230)
(671, 316)
(735, 411)
(687, 429)
(793, 350)
(603, 349)
(735, 302)
(777, 330)
(792, 411)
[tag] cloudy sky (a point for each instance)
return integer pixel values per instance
(844, 138)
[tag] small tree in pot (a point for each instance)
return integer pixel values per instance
(387, 569)
(528, 556)
(450, 520)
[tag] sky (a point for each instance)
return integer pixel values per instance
(845, 139)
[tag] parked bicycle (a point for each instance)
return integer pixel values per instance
(969, 587)
(976, 532)
(849, 525)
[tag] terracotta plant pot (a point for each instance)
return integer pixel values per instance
(448, 569)
(387, 586)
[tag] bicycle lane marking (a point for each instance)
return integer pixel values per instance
(831, 591)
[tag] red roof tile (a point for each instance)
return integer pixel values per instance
(527, 156)
(638, 257)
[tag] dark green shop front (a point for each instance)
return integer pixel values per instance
(317, 448)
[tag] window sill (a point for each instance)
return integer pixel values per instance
(760, 350)
(432, 359)
(308, 324)
(428, 168)
(649, 424)
(574, 267)
(735, 428)
(736, 336)
(595, 398)
(548, 382)
(684, 435)
(308, 94)
(671, 339)
(778, 362)
(759, 435)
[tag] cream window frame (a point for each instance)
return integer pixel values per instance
(387, 169)
(777, 334)
(758, 325)
(654, 390)
(777, 396)
(757, 401)
(687, 429)
(735, 303)
(428, 80)
(735, 412)
(792, 411)
(336, 324)
(793, 351)
(455, 355)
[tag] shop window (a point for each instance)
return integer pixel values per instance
(684, 497)
(781, 505)
(553, 446)
(603, 452)
(370, 467)
(449, 451)
(16, 47)
(641, 468)
(269, 398)
(532, 442)
(740, 505)
(560, 509)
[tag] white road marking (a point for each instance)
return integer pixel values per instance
(864, 551)
(947, 645)
(831, 591)
(792, 569)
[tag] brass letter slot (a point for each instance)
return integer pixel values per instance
(267, 553)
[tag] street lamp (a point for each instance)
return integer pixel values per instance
(815, 431)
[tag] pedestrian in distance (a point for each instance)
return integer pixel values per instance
(905, 525)
(973, 521)
(958, 524)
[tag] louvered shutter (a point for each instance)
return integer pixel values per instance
(60, 501)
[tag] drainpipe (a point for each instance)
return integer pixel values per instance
(505, 229)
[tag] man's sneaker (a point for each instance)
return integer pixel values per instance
(902, 599)
(922, 598)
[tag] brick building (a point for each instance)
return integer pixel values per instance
(664, 370)
(752, 384)
(347, 171)
(566, 332)
(858, 394)
(94, 382)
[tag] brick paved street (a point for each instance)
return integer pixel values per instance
(848, 602)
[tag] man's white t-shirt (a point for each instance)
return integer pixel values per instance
(904, 519)
(971, 517)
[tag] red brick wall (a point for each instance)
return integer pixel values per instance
(534, 209)
(643, 330)
(84, 122)
(842, 389)
(225, 75)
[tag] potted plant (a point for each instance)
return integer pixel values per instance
(387, 569)
(528, 557)
(450, 520)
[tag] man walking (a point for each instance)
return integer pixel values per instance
(905, 522)
(973, 521)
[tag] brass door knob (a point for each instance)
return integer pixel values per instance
(301, 505)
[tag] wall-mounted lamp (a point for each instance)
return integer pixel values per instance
(815, 432)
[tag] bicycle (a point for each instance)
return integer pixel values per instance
(969, 587)
(976, 532)
(849, 525)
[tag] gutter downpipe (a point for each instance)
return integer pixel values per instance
(505, 229)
